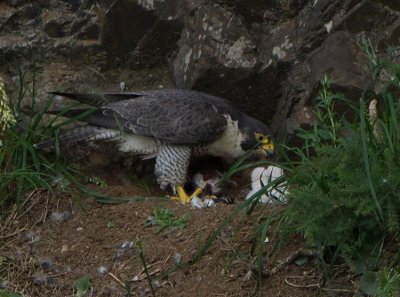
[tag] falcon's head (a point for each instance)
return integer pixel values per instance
(257, 136)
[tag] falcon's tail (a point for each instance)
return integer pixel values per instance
(79, 134)
(97, 99)
(93, 116)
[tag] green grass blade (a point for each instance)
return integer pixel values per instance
(364, 143)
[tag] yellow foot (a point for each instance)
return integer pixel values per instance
(213, 197)
(182, 196)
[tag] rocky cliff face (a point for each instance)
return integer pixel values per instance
(266, 56)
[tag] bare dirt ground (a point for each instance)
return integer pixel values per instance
(56, 239)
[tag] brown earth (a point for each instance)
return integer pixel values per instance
(56, 239)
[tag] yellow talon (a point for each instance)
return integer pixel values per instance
(182, 197)
(196, 192)
(213, 197)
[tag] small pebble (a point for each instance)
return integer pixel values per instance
(248, 276)
(51, 281)
(39, 279)
(177, 258)
(122, 86)
(127, 245)
(31, 236)
(3, 284)
(46, 264)
(102, 270)
(156, 283)
(64, 248)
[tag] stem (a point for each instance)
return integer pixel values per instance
(332, 124)
(146, 271)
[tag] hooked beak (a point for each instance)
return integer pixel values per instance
(268, 148)
(264, 151)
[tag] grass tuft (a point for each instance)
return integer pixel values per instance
(164, 218)
(22, 167)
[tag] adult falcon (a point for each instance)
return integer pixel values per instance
(170, 125)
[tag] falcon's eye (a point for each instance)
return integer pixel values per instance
(265, 143)
(261, 138)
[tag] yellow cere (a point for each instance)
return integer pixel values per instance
(269, 147)
(265, 142)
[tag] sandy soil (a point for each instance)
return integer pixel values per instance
(56, 239)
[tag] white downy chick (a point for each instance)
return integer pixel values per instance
(261, 177)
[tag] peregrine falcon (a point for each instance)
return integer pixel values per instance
(169, 125)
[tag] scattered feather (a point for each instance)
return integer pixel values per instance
(57, 217)
(177, 258)
(197, 202)
(127, 245)
(209, 202)
(31, 236)
(102, 270)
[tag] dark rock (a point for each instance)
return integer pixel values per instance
(293, 109)
(143, 33)
(213, 36)
(6, 13)
(63, 22)
(393, 4)
(366, 16)
(390, 35)
(315, 21)
(74, 5)
(91, 31)
(86, 26)
(57, 23)
(252, 11)
(280, 44)
(170, 9)
(16, 2)
(266, 56)
(156, 45)
(125, 24)
(256, 93)
(342, 60)
(29, 13)
(224, 60)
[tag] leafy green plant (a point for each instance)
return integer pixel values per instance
(4, 293)
(345, 188)
(22, 167)
(384, 283)
(388, 283)
(164, 218)
(82, 287)
(96, 181)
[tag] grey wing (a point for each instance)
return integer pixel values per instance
(174, 120)
(98, 99)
